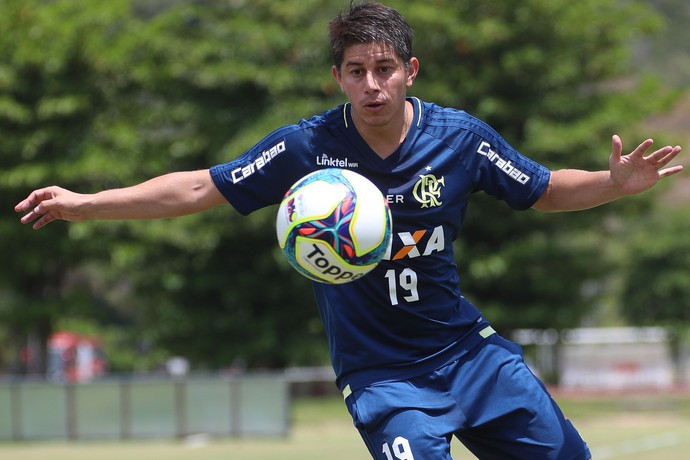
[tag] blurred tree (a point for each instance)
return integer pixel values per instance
(105, 96)
(49, 107)
(109, 94)
(668, 54)
(656, 288)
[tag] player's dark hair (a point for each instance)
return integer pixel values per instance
(370, 22)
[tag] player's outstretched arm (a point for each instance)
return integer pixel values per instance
(573, 189)
(170, 195)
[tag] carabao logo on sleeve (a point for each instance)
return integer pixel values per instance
(242, 172)
(502, 164)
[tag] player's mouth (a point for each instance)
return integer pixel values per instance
(374, 106)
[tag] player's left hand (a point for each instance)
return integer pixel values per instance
(637, 171)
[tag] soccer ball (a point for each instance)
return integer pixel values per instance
(334, 226)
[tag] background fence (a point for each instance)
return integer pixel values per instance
(252, 405)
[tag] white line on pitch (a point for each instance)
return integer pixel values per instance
(635, 446)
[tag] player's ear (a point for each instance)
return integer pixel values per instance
(412, 71)
(336, 75)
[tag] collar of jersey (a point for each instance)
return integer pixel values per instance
(416, 104)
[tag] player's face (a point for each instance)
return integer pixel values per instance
(375, 81)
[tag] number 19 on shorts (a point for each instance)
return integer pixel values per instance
(398, 450)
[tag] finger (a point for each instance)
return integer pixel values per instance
(34, 198)
(616, 147)
(670, 171)
(21, 206)
(40, 209)
(41, 214)
(25, 204)
(43, 221)
(664, 155)
(28, 217)
(32, 215)
(641, 149)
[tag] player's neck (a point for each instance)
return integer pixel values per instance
(386, 139)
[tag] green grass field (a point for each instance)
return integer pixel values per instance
(631, 427)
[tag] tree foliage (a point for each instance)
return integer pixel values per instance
(656, 288)
(96, 95)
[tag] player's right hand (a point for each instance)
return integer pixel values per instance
(51, 203)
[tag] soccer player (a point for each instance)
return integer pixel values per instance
(416, 361)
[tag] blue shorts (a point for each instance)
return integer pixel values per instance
(488, 399)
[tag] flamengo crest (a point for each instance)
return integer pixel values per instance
(427, 190)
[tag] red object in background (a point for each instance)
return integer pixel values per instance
(74, 357)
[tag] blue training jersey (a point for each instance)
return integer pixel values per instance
(408, 315)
